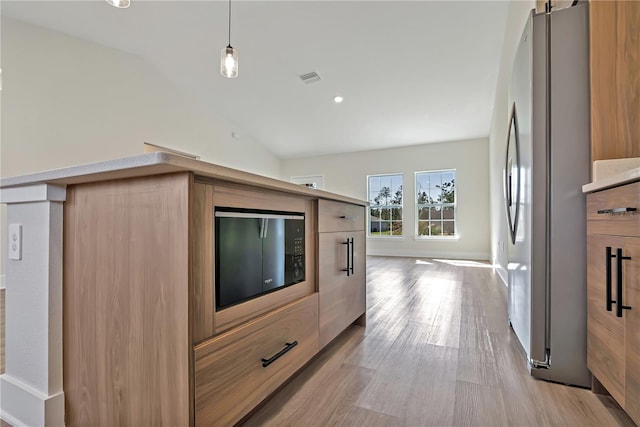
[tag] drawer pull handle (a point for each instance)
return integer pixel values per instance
(616, 210)
(346, 217)
(289, 346)
(619, 305)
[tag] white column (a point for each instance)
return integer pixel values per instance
(31, 388)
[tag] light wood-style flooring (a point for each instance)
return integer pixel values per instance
(436, 351)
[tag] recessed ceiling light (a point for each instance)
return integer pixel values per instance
(338, 99)
(122, 4)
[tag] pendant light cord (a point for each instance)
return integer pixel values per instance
(229, 44)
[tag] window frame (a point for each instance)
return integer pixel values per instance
(418, 206)
(401, 206)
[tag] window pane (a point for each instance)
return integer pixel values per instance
(422, 182)
(374, 227)
(385, 214)
(436, 228)
(396, 228)
(448, 228)
(372, 197)
(396, 214)
(448, 176)
(434, 194)
(396, 182)
(423, 197)
(385, 228)
(447, 212)
(435, 179)
(423, 213)
(374, 184)
(436, 213)
(423, 228)
(396, 196)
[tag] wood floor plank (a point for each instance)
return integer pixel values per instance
(478, 405)
(437, 351)
(432, 396)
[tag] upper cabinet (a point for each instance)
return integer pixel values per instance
(615, 79)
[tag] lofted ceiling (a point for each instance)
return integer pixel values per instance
(411, 72)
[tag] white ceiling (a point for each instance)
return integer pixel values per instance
(411, 72)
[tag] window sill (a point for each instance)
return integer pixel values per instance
(431, 238)
(386, 237)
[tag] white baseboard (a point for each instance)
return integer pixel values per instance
(24, 406)
(482, 256)
(502, 273)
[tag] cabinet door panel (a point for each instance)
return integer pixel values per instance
(631, 270)
(355, 290)
(342, 297)
(332, 256)
(605, 337)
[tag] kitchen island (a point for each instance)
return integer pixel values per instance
(111, 299)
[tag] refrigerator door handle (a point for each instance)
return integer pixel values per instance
(619, 305)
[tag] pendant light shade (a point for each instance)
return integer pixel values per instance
(122, 4)
(229, 62)
(229, 56)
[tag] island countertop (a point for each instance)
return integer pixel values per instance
(157, 163)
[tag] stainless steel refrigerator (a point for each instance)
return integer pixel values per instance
(547, 162)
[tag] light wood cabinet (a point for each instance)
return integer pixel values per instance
(615, 67)
(237, 370)
(144, 344)
(613, 251)
(341, 267)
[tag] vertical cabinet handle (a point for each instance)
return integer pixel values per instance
(353, 249)
(608, 270)
(619, 305)
(350, 251)
(349, 269)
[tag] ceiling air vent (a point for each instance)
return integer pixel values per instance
(311, 77)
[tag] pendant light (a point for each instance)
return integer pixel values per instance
(121, 4)
(229, 56)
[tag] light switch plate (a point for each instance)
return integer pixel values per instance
(15, 241)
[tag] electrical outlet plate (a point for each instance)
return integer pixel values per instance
(15, 241)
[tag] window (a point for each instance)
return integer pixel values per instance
(436, 203)
(385, 198)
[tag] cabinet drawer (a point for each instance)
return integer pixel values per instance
(230, 379)
(338, 216)
(621, 224)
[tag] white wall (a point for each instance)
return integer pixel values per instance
(68, 101)
(517, 16)
(347, 174)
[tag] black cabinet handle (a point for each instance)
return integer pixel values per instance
(608, 270)
(616, 210)
(619, 305)
(345, 217)
(353, 249)
(349, 269)
(289, 346)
